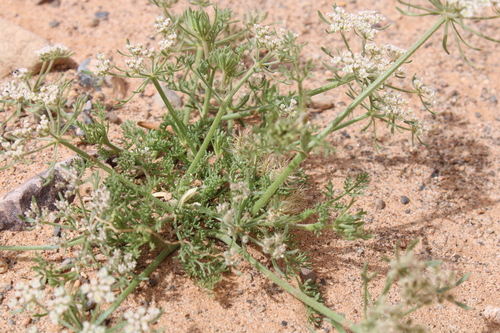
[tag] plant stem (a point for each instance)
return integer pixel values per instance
(218, 119)
(182, 130)
(131, 287)
(334, 125)
(292, 290)
(109, 170)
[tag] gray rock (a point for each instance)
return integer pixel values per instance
(172, 97)
(17, 201)
(379, 204)
(404, 200)
(307, 274)
(17, 47)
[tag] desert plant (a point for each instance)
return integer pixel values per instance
(224, 167)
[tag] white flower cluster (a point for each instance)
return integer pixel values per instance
(92, 328)
(423, 90)
(290, 109)
(135, 64)
(267, 37)
(363, 22)
(17, 148)
(103, 66)
(48, 52)
(101, 200)
(26, 295)
(373, 61)
(21, 73)
(12, 90)
(72, 181)
(163, 25)
(167, 43)
(274, 245)
(471, 8)
(59, 304)
(394, 106)
(99, 289)
(43, 127)
(138, 320)
(123, 263)
(49, 95)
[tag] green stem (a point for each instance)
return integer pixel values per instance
(131, 287)
(334, 125)
(109, 170)
(178, 123)
(382, 78)
(321, 308)
(218, 119)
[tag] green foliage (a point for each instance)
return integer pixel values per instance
(222, 173)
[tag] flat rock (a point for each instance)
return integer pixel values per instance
(18, 201)
(172, 97)
(17, 47)
(321, 102)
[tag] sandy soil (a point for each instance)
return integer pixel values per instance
(452, 184)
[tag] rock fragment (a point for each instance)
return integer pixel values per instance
(379, 204)
(17, 47)
(307, 274)
(172, 97)
(18, 201)
(321, 102)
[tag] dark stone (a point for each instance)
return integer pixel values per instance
(153, 282)
(345, 134)
(404, 200)
(284, 323)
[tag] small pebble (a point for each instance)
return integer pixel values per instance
(57, 231)
(8, 287)
(284, 323)
(113, 118)
(26, 321)
(54, 24)
(404, 200)
(322, 281)
(435, 174)
(345, 134)
(4, 266)
(407, 211)
(379, 204)
(490, 231)
(307, 274)
(152, 282)
(94, 22)
(321, 102)
(422, 187)
(101, 15)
